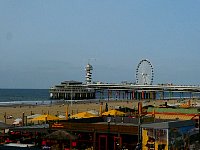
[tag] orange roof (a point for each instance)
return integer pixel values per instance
(180, 117)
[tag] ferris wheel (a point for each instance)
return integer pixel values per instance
(144, 73)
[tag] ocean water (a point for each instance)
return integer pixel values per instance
(27, 97)
(24, 96)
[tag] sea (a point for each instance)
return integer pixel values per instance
(24, 96)
(42, 96)
(29, 97)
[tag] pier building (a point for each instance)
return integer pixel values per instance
(72, 90)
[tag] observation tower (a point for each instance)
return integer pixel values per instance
(88, 76)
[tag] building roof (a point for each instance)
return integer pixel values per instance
(71, 82)
(33, 128)
(175, 117)
(174, 110)
(169, 124)
(4, 125)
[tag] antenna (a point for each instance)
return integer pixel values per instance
(91, 59)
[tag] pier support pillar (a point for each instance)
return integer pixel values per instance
(102, 94)
(108, 95)
(143, 94)
(133, 95)
(116, 95)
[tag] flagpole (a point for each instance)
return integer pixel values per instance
(71, 96)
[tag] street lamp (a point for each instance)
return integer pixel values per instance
(108, 121)
(139, 131)
(139, 144)
(71, 96)
(139, 121)
(199, 126)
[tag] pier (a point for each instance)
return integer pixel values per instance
(143, 89)
(78, 91)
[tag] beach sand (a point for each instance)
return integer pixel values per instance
(60, 108)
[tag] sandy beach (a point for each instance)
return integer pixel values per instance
(60, 108)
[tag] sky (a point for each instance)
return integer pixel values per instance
(45, 42)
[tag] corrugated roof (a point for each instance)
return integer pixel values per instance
(39, 126)
(169, 124)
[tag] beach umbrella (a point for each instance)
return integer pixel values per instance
(113, 112)
(83, 115)
(17, 121)
(45, 118)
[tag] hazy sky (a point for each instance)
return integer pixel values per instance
(44, 42)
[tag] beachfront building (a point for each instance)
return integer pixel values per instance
(169, 135)
(97, 133)
(103, 133)
(71, 90)
(173, 113)
(118, 132)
